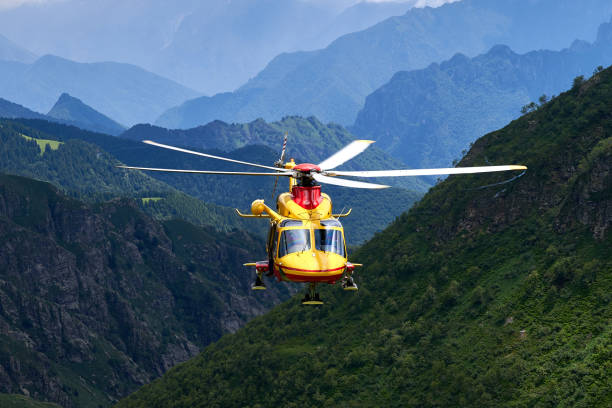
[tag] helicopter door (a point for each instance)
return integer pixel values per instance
(272, 241)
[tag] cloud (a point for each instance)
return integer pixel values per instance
(433, 3)
(9, 4)
(418, 3)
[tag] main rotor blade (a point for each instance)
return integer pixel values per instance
(346, 183)
(345, 154)
(178, 149)
(425, 172)
(232, 173)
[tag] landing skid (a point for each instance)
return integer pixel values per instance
(349, 284)
(260, 268)
(312, 296)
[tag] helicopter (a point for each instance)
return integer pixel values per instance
(306, 241)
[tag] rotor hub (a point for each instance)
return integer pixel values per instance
(307, 168)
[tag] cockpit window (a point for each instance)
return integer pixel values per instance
(330, 223)
(291, 223)
(329, 240)
(295, 240)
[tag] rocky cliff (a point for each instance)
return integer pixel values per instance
(95, 301)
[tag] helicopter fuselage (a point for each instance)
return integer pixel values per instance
(305, 242)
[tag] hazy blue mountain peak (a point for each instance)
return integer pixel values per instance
(501, 49)
(457, 59)
(604, 33)
(9, 51)
(73, 110)
(332, 83)
(124, 92)
(427, 117)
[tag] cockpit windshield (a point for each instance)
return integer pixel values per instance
(329, 240)
(293, 240)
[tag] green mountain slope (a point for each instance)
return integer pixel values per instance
(65, 156)
(96, 300)
(309, 140)
(72, 110)
(332, 83)
(12, 110)
(487, 293)
(426, 118)
(21, 401)
(84, 163)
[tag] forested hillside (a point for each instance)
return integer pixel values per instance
(63, 156)
(21, 401)
(12, 110)
(427, 117)
(309, 140)
(490, 292)
(84, 165)
(96, 300)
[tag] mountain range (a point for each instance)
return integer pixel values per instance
(332, 83)
(210, 46)
(427, 117)
(67, 110)
(9, 51)
(125, 93)
(491, 291)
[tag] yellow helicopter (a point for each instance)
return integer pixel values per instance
(306, 240)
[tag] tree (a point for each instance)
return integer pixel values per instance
(578, 81)
(530, 107)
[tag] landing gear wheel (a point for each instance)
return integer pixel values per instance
(312, 297)
(349, 284)
(259, 284)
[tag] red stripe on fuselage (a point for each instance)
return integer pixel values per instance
(310, 270)
(322, 279)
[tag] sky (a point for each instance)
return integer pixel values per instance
(8, 4)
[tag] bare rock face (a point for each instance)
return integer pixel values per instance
(95, 302)
(591, 193)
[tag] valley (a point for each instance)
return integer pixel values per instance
(128, 288)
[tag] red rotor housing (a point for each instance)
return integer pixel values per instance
(307, 197)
